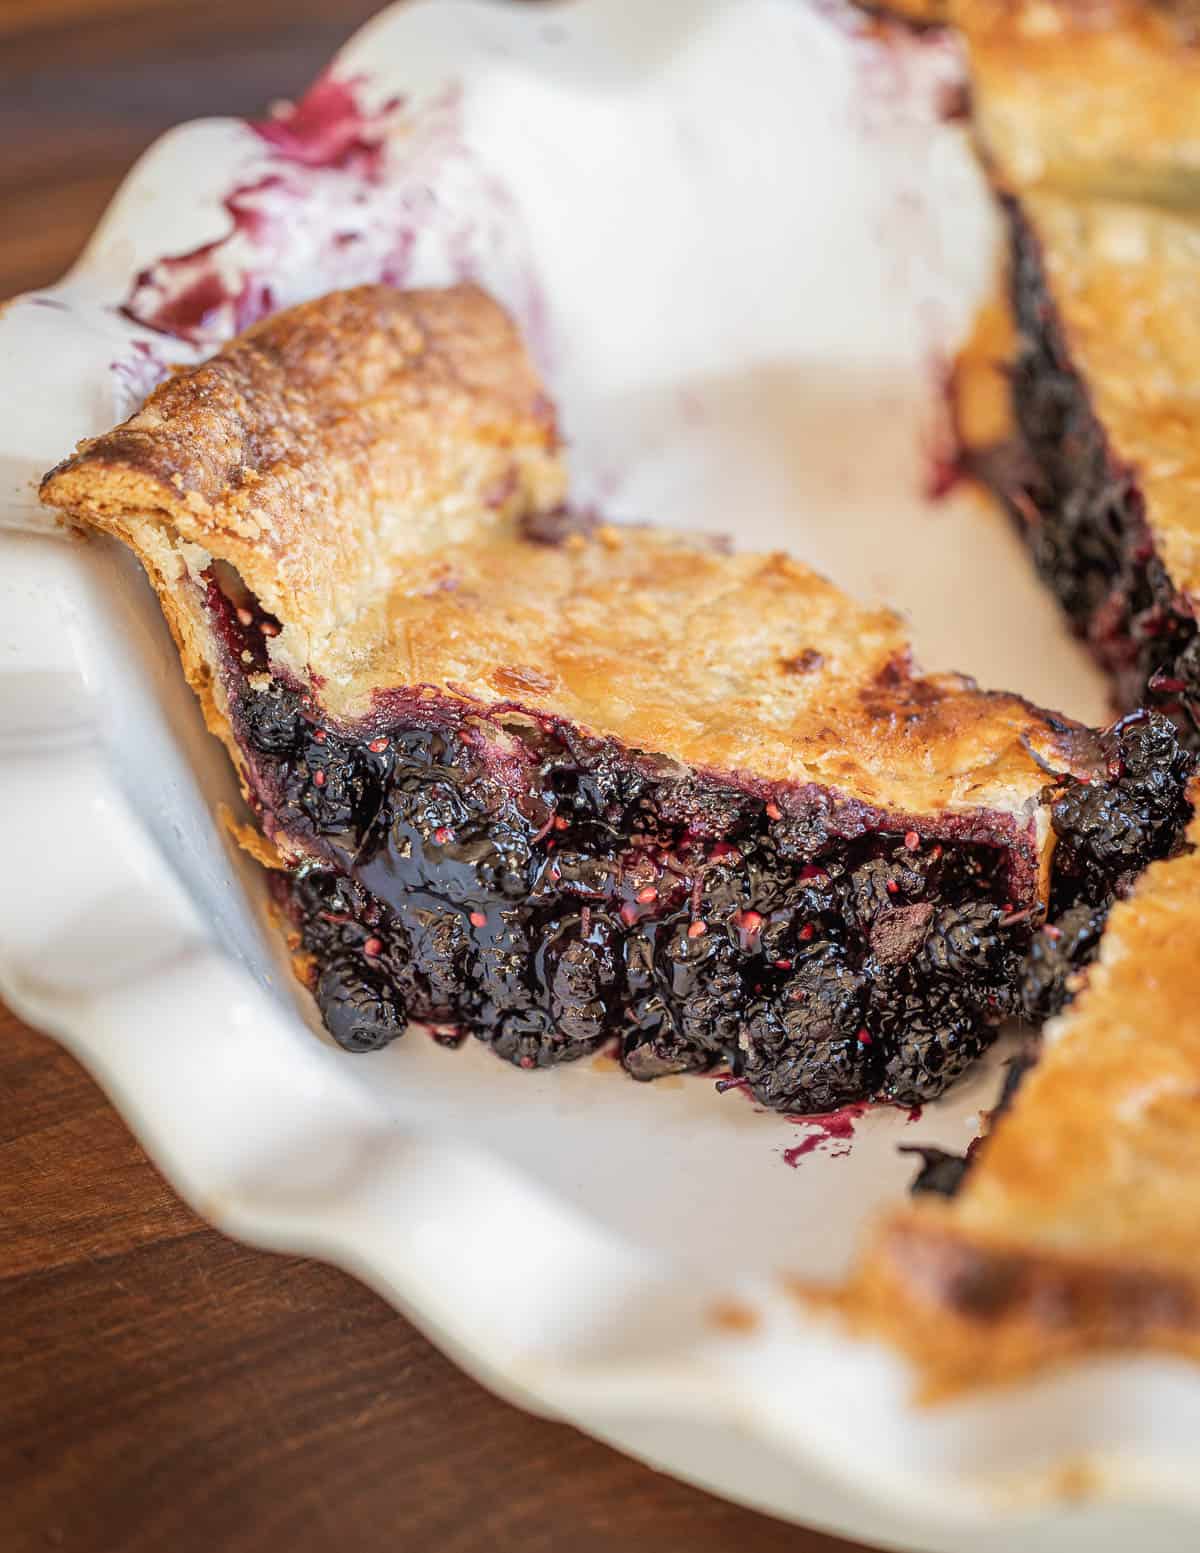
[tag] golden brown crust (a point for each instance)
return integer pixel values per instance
(981, 380)
(330, 446)
(313, 455)
(365, 462)
(1078, 1229)
(1085, 97)
(973, 1310)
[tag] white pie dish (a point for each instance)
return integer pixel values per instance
(738, 237)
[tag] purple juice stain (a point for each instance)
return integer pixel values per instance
(338, 207)
(190, 296)
(830, 1127)
(326, 128)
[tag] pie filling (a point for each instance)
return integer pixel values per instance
(942, 1173)
(1083, 513)
(490, 871)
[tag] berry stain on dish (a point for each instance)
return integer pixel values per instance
(194, 296)
(328, 127)
(838, 1127)
(834, 1127)
(341, 194)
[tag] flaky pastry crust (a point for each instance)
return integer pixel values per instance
(368, 465)
(1126, 286)
(324, 450)
(1086, 97)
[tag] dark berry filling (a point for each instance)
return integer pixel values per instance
(490, 872)
(1107, 832)
(1083, 513)
(943, 1173)
(547, 892)
(1059, 952)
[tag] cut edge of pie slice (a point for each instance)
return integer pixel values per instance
(1076, 1230)
(551, 781)
(1076, 403)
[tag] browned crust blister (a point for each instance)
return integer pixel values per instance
(368, 462)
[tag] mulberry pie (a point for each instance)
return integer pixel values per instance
(551, 782)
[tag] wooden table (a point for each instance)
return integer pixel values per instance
(162, 1388)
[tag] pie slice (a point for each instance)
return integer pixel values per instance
(1076, 1228)
(1077, 397)
(548, 781)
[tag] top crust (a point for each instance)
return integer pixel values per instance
(368, 464)
(1054, 1247)
(331, 447)
(1095, 97)
(1076, 1230)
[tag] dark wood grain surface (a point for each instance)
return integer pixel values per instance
(162, 1388)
